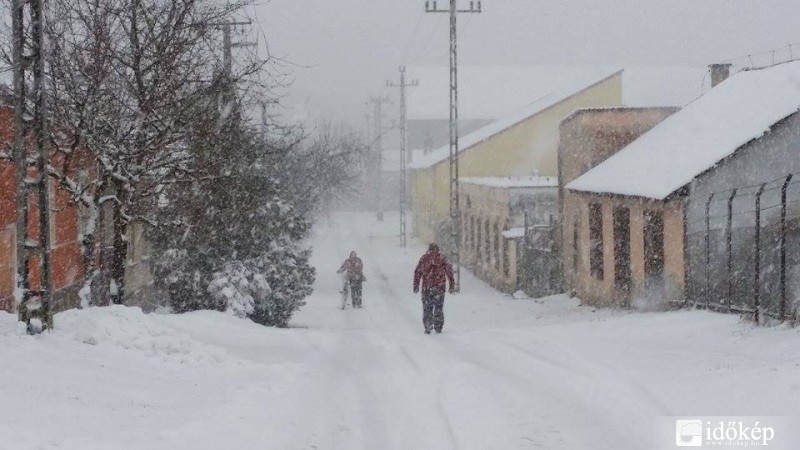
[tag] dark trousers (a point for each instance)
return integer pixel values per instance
(433, 309)
(355, 292)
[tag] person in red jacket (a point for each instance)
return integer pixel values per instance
(353, 271)
(433, 271)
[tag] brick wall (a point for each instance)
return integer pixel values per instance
(66, 258)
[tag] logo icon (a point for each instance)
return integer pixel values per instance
(689, 433)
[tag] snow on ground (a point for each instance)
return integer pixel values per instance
(507, 373)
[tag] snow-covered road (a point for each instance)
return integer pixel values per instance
(506, 373)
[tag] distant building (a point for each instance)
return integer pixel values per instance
(644, 208)
(494, 211)
(521, 144)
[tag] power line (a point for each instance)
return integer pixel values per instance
(413, 36)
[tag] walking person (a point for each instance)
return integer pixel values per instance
(352, 271)
(435, 273)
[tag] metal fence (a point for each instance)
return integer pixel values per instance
(743, 251)
(539, 268)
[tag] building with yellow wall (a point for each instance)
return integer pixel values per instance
(495, 214)
(522, 144)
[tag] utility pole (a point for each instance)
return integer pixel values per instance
(403, 150)
(228, 44)
(34, 302)
(377, 159)
(227, 55)
(455, 212)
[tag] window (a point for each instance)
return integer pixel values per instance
(462, 230)
(478, 240)
(622, 248)
(596, 240)
(653, 246)
(506, 258)
(487, 243)
(497, 258)
(576, 226)
(465, 231)
(472, 234)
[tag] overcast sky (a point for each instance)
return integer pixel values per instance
(347, 49)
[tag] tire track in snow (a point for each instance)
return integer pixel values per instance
(597, 366)
(395, 301)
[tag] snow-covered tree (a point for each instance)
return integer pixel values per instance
(232, 239)
(127, 79)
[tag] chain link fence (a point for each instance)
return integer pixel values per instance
(743, 253)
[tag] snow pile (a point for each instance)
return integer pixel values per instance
(131, 329)
(696, 138)
(10, 325)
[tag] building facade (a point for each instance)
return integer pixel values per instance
(493, 219)
(644, 223)
(68, 224)
(721, 216)
(587, 233)
(66, 259)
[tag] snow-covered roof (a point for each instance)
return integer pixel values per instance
(492, 92)
(693, 140)
(539, 104)
(512, 182)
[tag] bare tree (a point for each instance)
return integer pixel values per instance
(323, 168)
(129, 81)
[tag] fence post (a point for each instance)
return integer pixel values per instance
(784, 188)
(757, 283)
(707, 289)
(729, 243)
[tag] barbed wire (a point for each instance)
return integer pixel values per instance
(790, 52)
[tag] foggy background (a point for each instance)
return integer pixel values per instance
(343, 51)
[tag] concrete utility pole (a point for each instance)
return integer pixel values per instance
(403, 150)
(227, 55)
(228, 45)
(377, 159)
(34, 305)
(455, 212)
